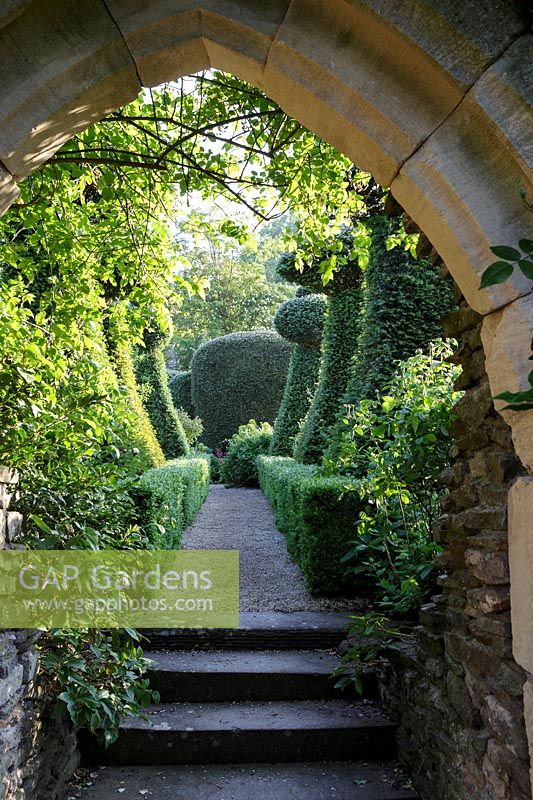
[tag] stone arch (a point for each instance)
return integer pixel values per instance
(432, 102)
(430, 96)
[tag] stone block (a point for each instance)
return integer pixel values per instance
(346, 72)
(489, 567)
(64, 65)
(8, 475)
(488, 600)
(507, 342)
(521, 569)
(14, 525)
(445, 186)
(171, 39)
(9, 190)
(10, 9)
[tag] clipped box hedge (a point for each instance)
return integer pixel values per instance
(169, 497)
(318, 515)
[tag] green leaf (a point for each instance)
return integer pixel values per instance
(526, 266)
(496, 273)
(526, 245)
(508, 253)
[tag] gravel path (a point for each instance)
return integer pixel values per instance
(241, 519)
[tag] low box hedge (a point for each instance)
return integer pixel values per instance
(318, 515)
(168, 498)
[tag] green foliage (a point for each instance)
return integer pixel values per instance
(335, 269)
(498, 272)
(152, 376)
(192, 426)
(511, 257)
(96, 677)
(239, 467)
(404, 302)
(122, 359)
(180, 388)
(340, 338)
(372, 638)
(317, 515)
(237, 296)
(169, 497)
(302, 379)
(236, 378)
(299, 320)
(400, 444)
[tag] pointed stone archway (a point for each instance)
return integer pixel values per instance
(431, 96)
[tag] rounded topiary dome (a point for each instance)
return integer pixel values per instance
(301, 319)
(238, 377)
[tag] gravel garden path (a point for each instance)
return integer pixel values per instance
(241, 519)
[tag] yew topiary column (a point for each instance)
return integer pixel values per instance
(299, 320)
(152, 376)
(338, 346)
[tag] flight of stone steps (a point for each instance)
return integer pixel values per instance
(252, 712)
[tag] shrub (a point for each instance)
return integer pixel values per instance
(301, 321)
(236, 378)
(400, 443)
(180, 388)
(168, 499)
(317, 515)
(96, 676)
(239, 467)
(152, 375)
(192, 426)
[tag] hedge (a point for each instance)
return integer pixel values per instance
(236, 378)
(152, 375)
(301, 321)
(318, 515)
(168, 498)
(180, 388)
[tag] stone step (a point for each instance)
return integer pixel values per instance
(238, 675)
(299, 630)
(303, 781)
(270, 732)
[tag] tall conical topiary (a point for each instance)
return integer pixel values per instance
(299, 320)
(404, 302)
(338, 344)
(152, 377)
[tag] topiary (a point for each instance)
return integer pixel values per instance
(120, 353)
(148, 443)
(236, 378)
(180, 388)
(339, 341)
(239, 467)
(301, 321)
(405, 301)
(152, 376)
